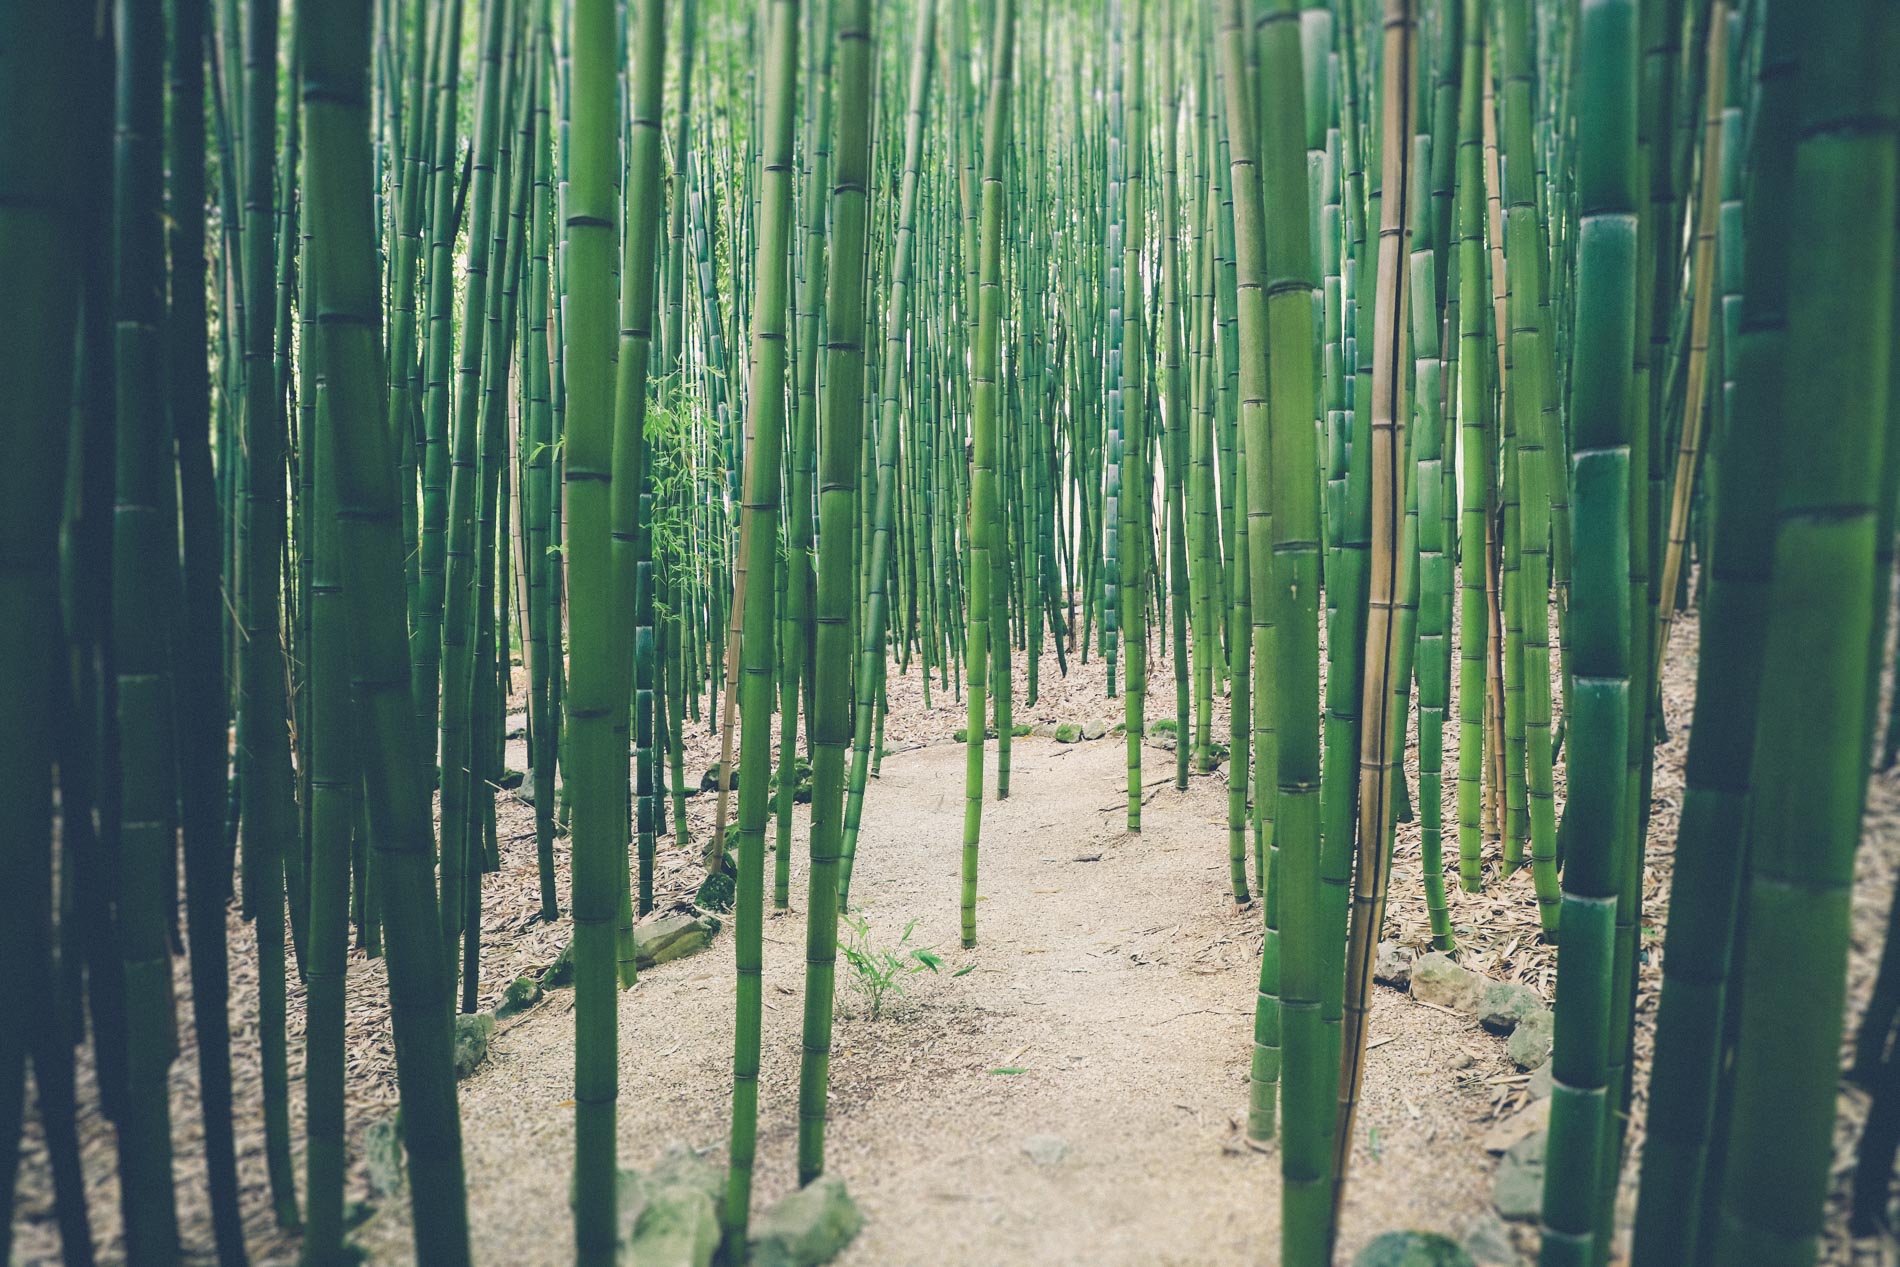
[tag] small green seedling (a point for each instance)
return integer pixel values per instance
(879, 973)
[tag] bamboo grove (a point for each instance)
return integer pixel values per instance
(1383, 368)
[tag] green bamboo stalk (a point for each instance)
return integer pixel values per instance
(144, 578)
(758, 544)
(203, 705)
(1275, 282)
(596, 763)
(1531, 395)
(1805, 810)
(1136, 491)
(369, 533)
(265, 776)
(853, 62)
(984, 519)
(1473, 404)
(1694, 1012)
(1601, 383)
(871, 651)
(1430, 487)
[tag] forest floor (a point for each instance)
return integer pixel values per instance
(1103, 1024)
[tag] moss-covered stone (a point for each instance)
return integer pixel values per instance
(1068, 732)
(471, 1042)
(1439, 979)
(1529, 1044)
(560, 974)
(1505, 1003)
(1413, 1249)
(718, 891)
(806, 1227)
(520, 994)
(668, 1213)
(663, 937)
(383, 1155)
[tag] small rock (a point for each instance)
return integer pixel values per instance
(1518, 1190)
(1044, 730)
(1539, 1085)
(471, 1042)
(521, 994)
(709, 781)
(677, 1226)
(510, 780)
(806, 1227)
(1393, 966)
(1046, 1150)
(1436, 978)
(1488, 1241)
(719, 890)
(1094, 728)
(1533, 1117)
(559, 974)
(1505, 1003)
(1463, 1060)
(661, 938)
(1529, 1045)
(669, 1213)
(1413, 1249)
(1068, 732)
(383, 1155)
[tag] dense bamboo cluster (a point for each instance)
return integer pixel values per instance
(373, 368)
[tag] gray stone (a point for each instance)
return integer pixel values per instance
(1518, 1189)
(383, 1156)
(1393, 966)
(521, 994)
(1529, 1044)
(1488, 1241)
(1437, 978)
(709, 781)
(1094, 728)
(1043, 730)
(1413, 1249)
(1539, 1085)
(661, 938)
(1534, 1116)
(471, 1042)
(1505, 1003)
(1046, 1150)
(806, 1227)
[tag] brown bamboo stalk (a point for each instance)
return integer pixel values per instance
(1500, 301)
(1695, 397)
(1379, 748)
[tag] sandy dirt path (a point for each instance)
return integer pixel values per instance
(1113, 971)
